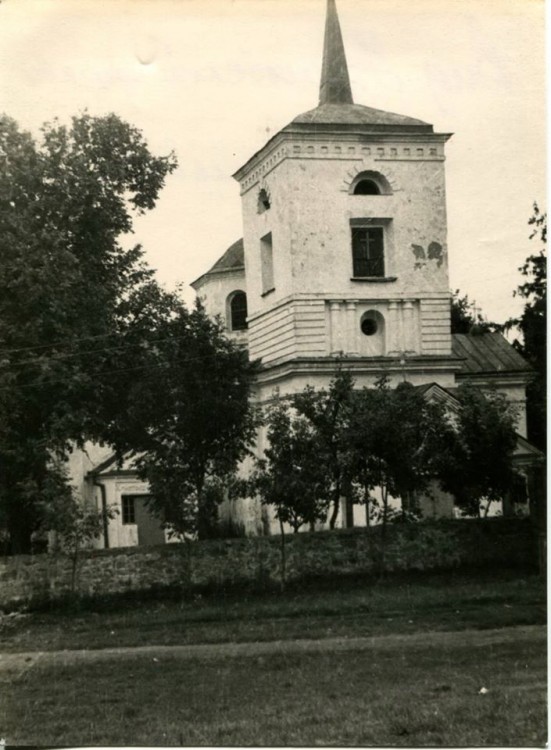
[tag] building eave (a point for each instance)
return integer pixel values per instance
(318, 132)
(522, 377)
(198, 283)
(279, 370)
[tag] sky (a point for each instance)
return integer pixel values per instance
(214, 79)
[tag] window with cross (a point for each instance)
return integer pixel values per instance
(368, 251)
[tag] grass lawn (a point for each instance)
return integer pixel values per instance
(406, 694)
(342, 608)
(417, 687)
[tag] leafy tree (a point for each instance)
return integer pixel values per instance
(73, 300)
(393, 436)
(467, 318)
(532, 324)
(475, 458)
(190, 418)
(292, 477)
(328, 412)
(74, 525)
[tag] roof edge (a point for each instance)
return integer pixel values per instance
(290, 131)
(215, 272)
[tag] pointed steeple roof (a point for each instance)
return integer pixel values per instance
(335, 82)
(336, 112)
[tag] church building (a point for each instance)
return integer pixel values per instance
(344, 255)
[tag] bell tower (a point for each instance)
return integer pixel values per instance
(345, 250)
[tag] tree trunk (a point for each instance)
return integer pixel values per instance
(383, 531)
(348, 506)
(204, 521)
(283, 559)
(336, 505)
(74, 564)
(367, 507)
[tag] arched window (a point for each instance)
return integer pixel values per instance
(370, 182)
(367, 187)
(238, 311)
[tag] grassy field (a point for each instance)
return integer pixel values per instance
(410, 694)
(409, 686)
(342, 608)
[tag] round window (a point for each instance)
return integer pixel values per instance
(369, 326)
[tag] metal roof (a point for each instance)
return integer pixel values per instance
(232, 260)
(357, 114)
(487, 353)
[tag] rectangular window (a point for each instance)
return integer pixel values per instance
(128, 509)
(267, 263)
(368, 251)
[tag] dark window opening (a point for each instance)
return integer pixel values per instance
(128, 509)
(267, 263)
(368, 252)
(367, 187)
(369, 326)
(263, 201)
(238, 311)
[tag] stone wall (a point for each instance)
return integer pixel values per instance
(257, 561)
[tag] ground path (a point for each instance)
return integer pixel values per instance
(15, 664)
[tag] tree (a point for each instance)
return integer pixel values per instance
(393, 437)
(292, 477)
(467, 318)
(475, 458)
(328, 412)
(190, 418)
(532, 324)
(74, 525)
(73, 300)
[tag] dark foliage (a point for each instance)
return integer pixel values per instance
(70, 295)
(532, 325)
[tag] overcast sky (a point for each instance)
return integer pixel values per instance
(213, 79)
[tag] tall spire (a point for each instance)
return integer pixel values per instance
(335, 83)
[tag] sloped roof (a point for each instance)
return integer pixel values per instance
(434, 391)
(527, 453)
(114, 465)
(487, 353)
(336, 103)
(232, 260)
(358, 114)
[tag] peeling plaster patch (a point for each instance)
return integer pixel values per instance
(419, 255)
(435, 253)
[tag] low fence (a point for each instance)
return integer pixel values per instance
(256, 561)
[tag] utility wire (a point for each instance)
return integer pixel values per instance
(118, 371)
(67, 355)
(57, 343)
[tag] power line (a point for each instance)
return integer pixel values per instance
(61, 356)
(118, 371)
(57, 343)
